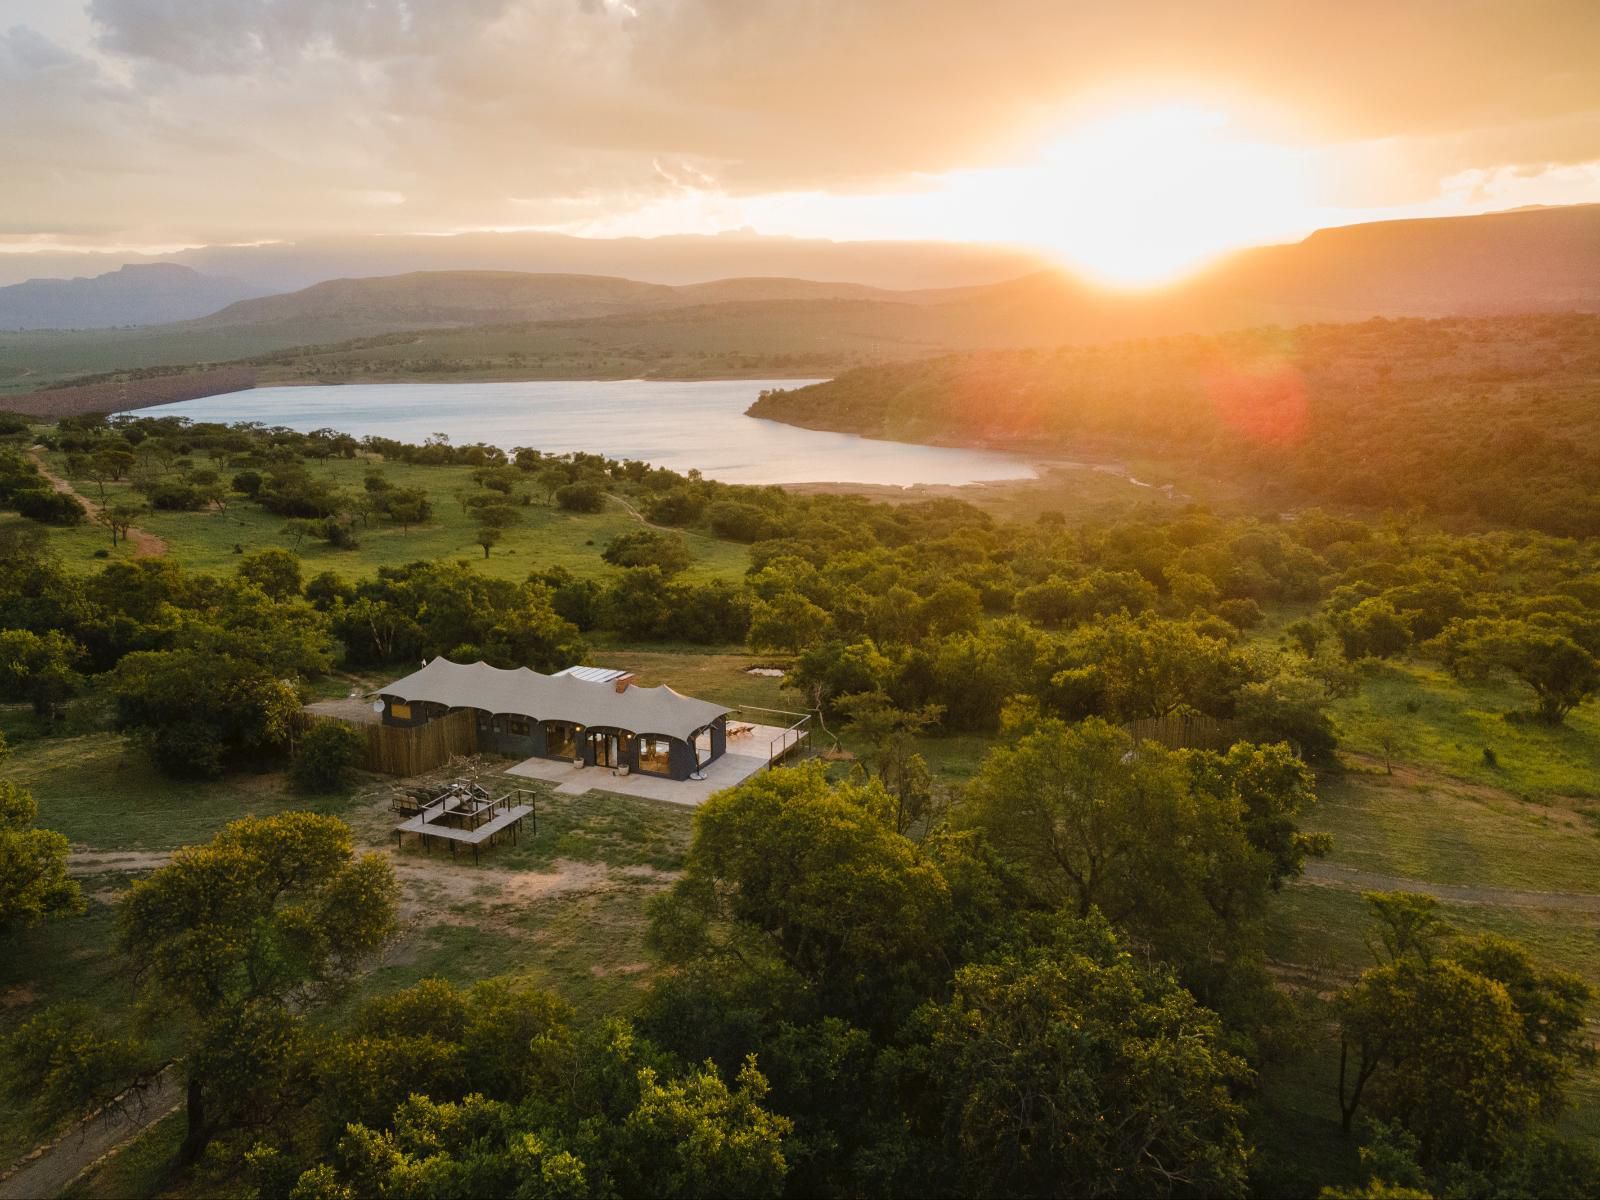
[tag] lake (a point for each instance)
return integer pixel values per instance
(678, 425)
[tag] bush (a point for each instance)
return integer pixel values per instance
(581, 497)
(329, 752)
(648, 548)
(176, 497)
(187, 750)
(49, 508)
(247, 483)
(739, 522)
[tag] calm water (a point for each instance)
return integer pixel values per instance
(676, 425)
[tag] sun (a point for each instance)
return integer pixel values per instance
(1140, 198)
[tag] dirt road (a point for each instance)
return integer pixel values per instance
(51, 1171)
(1353, 879)
(145, 545)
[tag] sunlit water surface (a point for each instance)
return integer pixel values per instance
(680, 425)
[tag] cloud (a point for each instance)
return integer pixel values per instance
(264, 117)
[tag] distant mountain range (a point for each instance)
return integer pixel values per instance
(1529, 261)
(343, 308)
(510, 324)
(675, 260)
(137, 294)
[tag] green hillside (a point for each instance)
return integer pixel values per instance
(1490, 419)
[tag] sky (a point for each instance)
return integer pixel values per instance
(1135, 140)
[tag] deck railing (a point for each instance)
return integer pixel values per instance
(792, 738)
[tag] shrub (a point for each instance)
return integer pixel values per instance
(49, 508)
(329, 752)
(176, 497)
(581, 497)
(648, 548)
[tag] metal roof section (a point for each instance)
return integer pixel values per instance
(592, 674)
(563, 697)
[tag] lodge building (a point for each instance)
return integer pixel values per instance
(584, 715)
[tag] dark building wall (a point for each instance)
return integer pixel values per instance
(496, 737)
(421, 714)
(497, 734)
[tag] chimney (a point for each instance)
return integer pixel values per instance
(623, 682)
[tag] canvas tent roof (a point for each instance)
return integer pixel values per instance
(526, 693)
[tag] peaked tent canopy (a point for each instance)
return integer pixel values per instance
(527, 693)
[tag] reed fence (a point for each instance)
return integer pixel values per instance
(1184, 731)
(410, 749)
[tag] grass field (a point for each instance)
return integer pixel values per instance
(567, 908)
(1437, 721)
(546, 537)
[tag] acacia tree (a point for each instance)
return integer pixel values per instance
(39, 668)
(1462, 1050)
(33, 862)
(1074, 1071)
(237, 937)
(1554, 660)
(892, 734)
(119, 516)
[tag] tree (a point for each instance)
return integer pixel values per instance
(1178, 848)
(495, 515)
(328, 753)
(648, 548)
(39, 668)
(581, 497)
(1084, 811)
(626, 1131)
(276, 572)
(892, 734)
(1462, 1050)
(1560, 670)
(407, 507)
(1371, 628)
(34, 885)
(194, 711)
(808, 880)
(1073, 1071)
(488, 536)
(789, 623)
(1288, 706)
(119, 516)
(236, 937)
(1133, 667)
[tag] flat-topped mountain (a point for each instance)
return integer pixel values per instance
(137, 294)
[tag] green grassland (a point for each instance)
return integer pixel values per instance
(567, 907)
(1435, 720)
(782, 338)
(544, 538)
(35, 359)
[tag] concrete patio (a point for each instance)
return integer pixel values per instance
(746, 754)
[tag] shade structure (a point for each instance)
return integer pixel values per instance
(570, 698)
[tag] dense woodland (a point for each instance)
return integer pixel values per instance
(1052, 981)
(1491, 420)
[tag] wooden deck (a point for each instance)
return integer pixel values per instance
(433, 822)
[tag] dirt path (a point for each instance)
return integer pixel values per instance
(145, 545)
(51, 1170)
(640, 517)
(1353, 879)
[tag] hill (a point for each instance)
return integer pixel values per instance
(144, 294)
(1486, 419)
(284, 266)
(350, 307)
(509, 325)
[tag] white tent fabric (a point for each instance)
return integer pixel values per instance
(526, 693)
